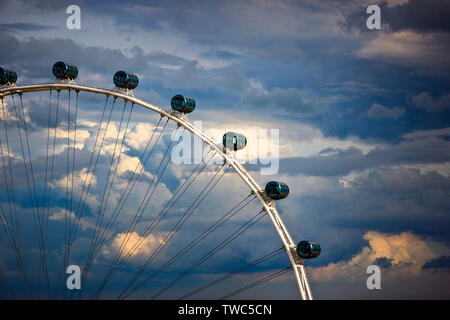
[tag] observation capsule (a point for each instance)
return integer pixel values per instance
(234, 141)
(64, 71)
(182, 104)
(308, 249)
(276, 190)
(125, 80)
(7, 76)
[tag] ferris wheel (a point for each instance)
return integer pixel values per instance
(77, 192)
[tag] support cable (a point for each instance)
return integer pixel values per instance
(52, 168)
(219, 247)
(198, 200)
(40, 217)
(141, 209)
(30, 192)
(116, 264)
(46, 168)
(13, 232)
(142, 206)
(92, 251)
(91, 158)
(80, 213)
(22, 275)
(234, 273)
(125, 195)
(90, 177)
(12, 213)
(227, 216)
(61, 272)
(134, 177)
(99, 220)
(256, 283)
(67, 213)
(117, 163)
(7, 286)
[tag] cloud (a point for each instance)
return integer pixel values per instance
(144, 249)
(345, 184)
(427, 102)
(78, 179)
(138, 138)
(399, 15)
(406, 253)
(421, 16)
(62, 214)
(420, 147)
(409, 48)
(300, 73)
(427, 134)
(31, 5)
(379, 111)
(82, 137)
(299, 101)
(128, 163)
(440, 262)
(24, 26)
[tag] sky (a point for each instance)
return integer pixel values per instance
(364, 136)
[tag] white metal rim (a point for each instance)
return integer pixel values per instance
(269, 207)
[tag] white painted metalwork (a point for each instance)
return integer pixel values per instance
(268, 204)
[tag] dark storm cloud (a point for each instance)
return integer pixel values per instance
(440, 262)
(297, 65)
(417, 15)
(341, 162)
(299, 102)
(45, 5)
(383, 262)
(24, 26)
(379, 111)
(21, 56)
(386, 200)
(166, 58)
(426, 101)
(222, 54)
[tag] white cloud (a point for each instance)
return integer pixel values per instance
(128, 163)
(62, 214)
(7, 112)
(82, 136)
(296, 139)
(138, 138)
(78, 179)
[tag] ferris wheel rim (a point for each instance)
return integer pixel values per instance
(268, 206)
